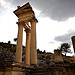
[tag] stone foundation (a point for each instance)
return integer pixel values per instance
(56, 69)
(10, 73)
(13, 70)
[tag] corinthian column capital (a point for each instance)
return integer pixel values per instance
(27, 30)
(33, 20)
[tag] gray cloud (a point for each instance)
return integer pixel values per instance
(59, 10)
(51, 42)
(16, 2)
(65, 38)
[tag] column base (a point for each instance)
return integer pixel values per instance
(14, 70)
(12, 73)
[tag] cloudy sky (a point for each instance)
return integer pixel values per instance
(56, 22)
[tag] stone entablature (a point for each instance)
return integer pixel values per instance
(25, 13)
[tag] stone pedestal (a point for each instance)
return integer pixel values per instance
(33, 49)
(27, 53)
(12, 71)
(19, 44)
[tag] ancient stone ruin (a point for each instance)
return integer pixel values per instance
(25, 16)
(58, 56)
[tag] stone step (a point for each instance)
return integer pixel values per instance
(38, 72)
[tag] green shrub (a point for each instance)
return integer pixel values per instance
(67, 61)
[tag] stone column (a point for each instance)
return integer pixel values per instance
(27, 53)
(33, 48)
(19, 44)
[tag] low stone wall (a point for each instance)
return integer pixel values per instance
(56, 69)
(1, 73)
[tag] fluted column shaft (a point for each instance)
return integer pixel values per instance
(27, 53)
(19, 44)
(33, 49)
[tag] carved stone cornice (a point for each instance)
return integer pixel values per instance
(26, 7)
(25, 10)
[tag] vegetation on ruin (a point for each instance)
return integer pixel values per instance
(6, 58)
(15, 39)
(40, 52)
(65, 48)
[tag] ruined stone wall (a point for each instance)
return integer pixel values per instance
(57, 69)
(58, 56)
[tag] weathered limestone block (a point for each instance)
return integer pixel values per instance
(58, 56)
(12, 71)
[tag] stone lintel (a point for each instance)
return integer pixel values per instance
(26, 18)
(26, 13)
(25, 25)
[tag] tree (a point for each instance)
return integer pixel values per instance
(6, 58)
(15, 39)
(65, 48)
(44, 52)
(38, 51)
(9, 41)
